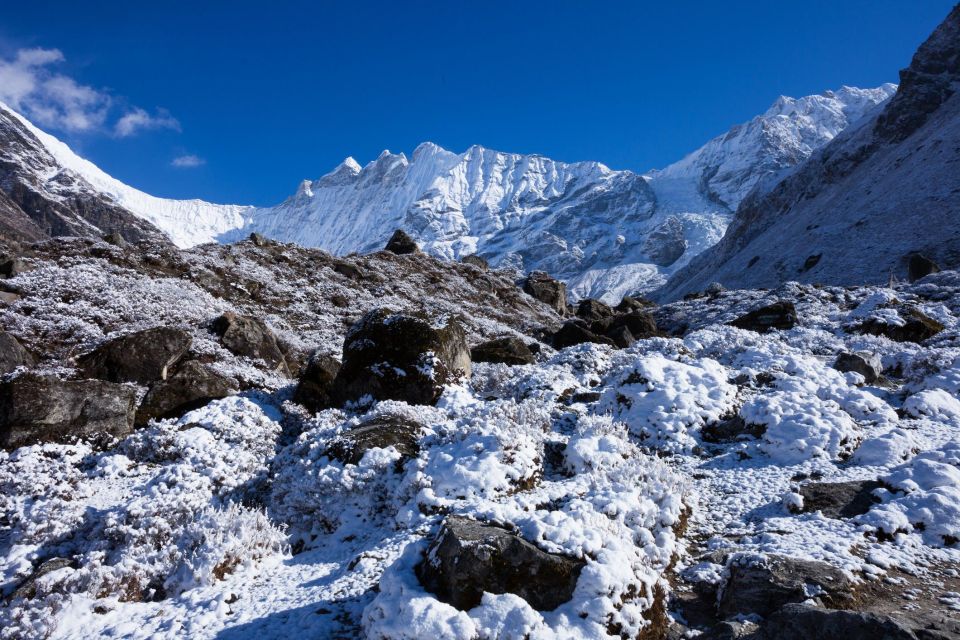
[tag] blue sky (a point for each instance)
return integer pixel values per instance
(253, 97)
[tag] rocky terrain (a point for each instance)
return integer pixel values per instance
(259, 439)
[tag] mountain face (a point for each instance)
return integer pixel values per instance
(857, 209)
(48, 190)
(605, 232)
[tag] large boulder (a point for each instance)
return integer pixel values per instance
(807, 622)
(547, 290)
(916, 326)
(192, 386)
(379, 432)
(762, 585)
(779, 315)
(640, 323)
(592, 310)
(866, 364)
(507, 350)
(144, 357)
(468, 558)
(35, 408)
(396, 356)
(840, 499)
(316, 381)
(401, 243)
(250, 337)
(920, 266)
(12, 354)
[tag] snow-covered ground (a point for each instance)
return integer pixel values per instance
(235, 521)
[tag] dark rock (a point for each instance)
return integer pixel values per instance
(762, 586)
(507, 350)
(316, 381)
(839, 499)
(731, 630)
(574, 332)
(475, 260)
(547, 290)
(592, 310)
(13, 267)
(731, 429)
(806, 622)
(779, 315)
(920, 266)
(393, 356)
(250, 337)
(866, 364)
(401, 243)
(628, 304)
(377, 433)
(917, 328)
(192, 386)
(28, 588)
(144, 357)
(640, 323)
(12, 354)
(37, 409)
(468, 558)
(621, 336)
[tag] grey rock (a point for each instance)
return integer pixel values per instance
(547, 290)
(190, 387)
(839, 499)
(380, 432)
(779, 315)
(507, 350)
(144, 356)
(763, 585)
(401, 243)
(468, 558)
(866, 364)
(316, 381)
(806, 622)
(37, 409)
(394, 356)
(250, 337)
(12, 354)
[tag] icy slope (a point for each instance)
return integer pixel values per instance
(186, 222)
(853, 213)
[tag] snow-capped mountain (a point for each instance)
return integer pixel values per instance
(855, 211)
(605, 232)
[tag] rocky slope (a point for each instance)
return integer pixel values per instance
(605, 232)
(885, 189)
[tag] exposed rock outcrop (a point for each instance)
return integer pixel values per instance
(144, 356)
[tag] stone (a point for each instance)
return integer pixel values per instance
(547, 290)
(28, 588)
(574, 332)
(592, 310)
(917, 327)
(920, 266)
(190, 387)
(476, 261)
(866, 364)
(36, 409)
(468, 558)
(12, 354)
(839, 499)
(507, 350)
(401, 243)
(762, 585)
(621, 336)
(380, 432)
(316, 381)
(807, 622)
(250, 337)
(395, 356)
(779, 315)
(144, 356)
(640, 323)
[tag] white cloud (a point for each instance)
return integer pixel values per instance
(188, 161)
(137, 120)
(29, 84)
